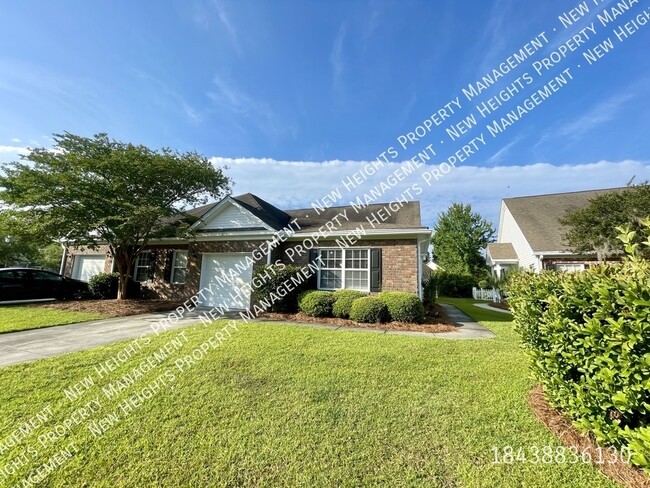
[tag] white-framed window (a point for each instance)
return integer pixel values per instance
(142, 266)
(344, 268)
(179, 267)
(570, 267)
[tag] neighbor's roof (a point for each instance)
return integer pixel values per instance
(502, 251)
(539, 216)
(406, 217)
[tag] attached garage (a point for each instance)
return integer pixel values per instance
(87, 265)
(219, 289)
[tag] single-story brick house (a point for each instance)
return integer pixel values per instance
(372, 248)
(530, 235)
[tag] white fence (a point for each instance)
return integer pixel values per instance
(492, 294)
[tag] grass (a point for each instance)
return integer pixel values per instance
(279, 405)
(15, 318)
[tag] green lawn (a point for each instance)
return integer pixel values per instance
(14, 318)
(279, 405)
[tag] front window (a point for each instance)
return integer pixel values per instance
(570, 267)
(179, 269)
(344, 268)
(142, 266)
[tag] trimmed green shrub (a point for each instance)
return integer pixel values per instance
(104, 286)
(368, 310)
(343, 302)
(403, 306)
(483, 284)
(271, 277)
(452, 284)
(316, 303)
(588, 339)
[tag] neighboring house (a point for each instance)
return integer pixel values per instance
(530, 234)
(374, 248)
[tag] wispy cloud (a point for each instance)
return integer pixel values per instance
(15, 139)
(229, 96)
(336, 55)
(168, 93)
(601, 113)
(225, 21)
(497, 157)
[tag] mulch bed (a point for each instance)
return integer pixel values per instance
(435, 321)
(618, 470)
(114, 308)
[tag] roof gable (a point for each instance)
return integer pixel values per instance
(228, 215)
(539, 216)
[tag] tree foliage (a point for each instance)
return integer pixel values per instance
(593, 228)
(458, 238)
(19, 247)
(98, 190)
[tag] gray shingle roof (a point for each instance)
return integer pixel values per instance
(538, 216)
(501, 251)
(406, 217)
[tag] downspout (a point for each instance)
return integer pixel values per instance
(420, 291)
(268, 255)
(63, 258)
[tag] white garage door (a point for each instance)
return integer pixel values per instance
(87, 265)
(221, 290)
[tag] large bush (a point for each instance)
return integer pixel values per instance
(103, 286)
(343, 302)
(269, 278)
(368, 310)
(403, 306)
(316, 303)
(452, 284)
(588, 339)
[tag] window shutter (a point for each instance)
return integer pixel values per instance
(313, 259)
(375, 270)
(169, 263)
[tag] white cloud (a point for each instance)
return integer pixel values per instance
(13, 149)
(16, 140)
(295, 184)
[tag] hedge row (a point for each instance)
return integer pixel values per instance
(356, 305)
(588, 338)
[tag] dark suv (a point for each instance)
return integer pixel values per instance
(36, 284)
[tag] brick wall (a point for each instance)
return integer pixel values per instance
(399, 261)
(177, 291)
(74, 251)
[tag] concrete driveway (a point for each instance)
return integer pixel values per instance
(29, 345)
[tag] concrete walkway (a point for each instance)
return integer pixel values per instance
(30, 345)
(468, 327)
(487, 306)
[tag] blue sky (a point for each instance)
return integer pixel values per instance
(292, 93)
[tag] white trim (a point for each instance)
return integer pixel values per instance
(219, 206)
(172, 278)
(343, 268)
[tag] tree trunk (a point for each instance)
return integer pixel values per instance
(123, 262)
